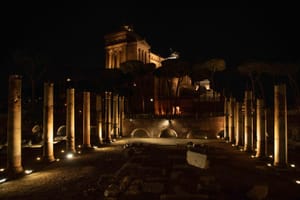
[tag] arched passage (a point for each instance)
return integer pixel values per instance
(61, 131)
(140, 133)
(168, 133)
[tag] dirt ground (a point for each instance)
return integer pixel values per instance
(152, 169)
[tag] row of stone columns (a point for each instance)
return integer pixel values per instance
(239, 129)
(14, 131)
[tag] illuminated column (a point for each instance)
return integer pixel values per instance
(231, 119)
(14, 122)
(260, 128)
(266, 132)
(107, 117)
(70, 122)
(118, 59)
(226, 116)
(99, 117)
(110, 57)
(156, 100)
(115, 116)
(122, 116)
(48, 152)
(238, 125)
(86, 120)
(280, 126)
(248, 121)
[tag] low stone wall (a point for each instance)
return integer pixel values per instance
(206, 127)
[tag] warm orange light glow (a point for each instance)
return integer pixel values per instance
(69, 156)
(3, 180)
(28, 171)
(293, 165)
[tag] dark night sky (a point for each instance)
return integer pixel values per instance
(72, 34)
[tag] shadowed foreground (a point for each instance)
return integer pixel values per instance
(154, 169)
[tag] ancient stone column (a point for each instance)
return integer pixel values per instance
(86, 120)
(231, 119)
(156, 99)
(14, 153)
(248, 121)
(226, 117)
(107, 117)
(48, 152)
(115, 116)
(99, 117)
(122, 115)
(110, 61)
(118, 58)
(280, 126)
(266, 132)
(260, 129)
(238, 125)
(70, 122)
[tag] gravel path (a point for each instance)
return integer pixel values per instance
(148, 171)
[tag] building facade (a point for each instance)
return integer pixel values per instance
(153, 95)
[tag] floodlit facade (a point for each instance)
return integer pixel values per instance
(152, 94)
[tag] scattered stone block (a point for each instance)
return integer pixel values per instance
(197, 159)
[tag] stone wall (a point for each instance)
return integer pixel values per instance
(206, 127)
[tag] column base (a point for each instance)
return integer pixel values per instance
(87, 148)
(281, 165)
(48, 159)
(15, 172)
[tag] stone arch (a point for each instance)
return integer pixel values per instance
(140, 133)
(168, 133)
(61, 131)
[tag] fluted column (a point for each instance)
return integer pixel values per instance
(260, 129)
(14, 121)
(99, 117)
(248, 129)
(48, 152)
(280, 126)
(86, 120)
(70, 122)
(108, 117)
